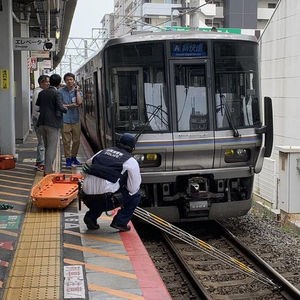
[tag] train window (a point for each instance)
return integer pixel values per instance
(89, 97)
(135, 54)
(138, 86)
(236, 84)
(191, 97)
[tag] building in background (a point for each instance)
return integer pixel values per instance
(145, 15)
(108, 24)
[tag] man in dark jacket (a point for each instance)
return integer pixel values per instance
(108, 171)
(50, 119)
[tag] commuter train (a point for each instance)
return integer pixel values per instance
(192, 99)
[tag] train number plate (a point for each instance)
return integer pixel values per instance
(197, 205)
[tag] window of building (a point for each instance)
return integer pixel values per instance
(271, 5)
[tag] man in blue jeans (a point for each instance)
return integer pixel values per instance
(108, 171)
(72, 100)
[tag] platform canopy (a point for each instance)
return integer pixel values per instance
(49, 19)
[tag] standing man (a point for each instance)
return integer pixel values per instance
(108, 171)
(44, 83)
(50, 119)
(72, 99)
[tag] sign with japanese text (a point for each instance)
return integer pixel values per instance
(32, 63)
(33, 44)
(40, 54)
(4, 79)
(47, 64)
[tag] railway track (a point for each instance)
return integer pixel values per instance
(214, 279)
(224, 268)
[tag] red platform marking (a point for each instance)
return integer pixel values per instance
(6, 245)
(3, 263)
(151, 284)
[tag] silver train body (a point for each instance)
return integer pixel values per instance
(193, 101)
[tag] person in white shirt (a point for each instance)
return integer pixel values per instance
(109, 171)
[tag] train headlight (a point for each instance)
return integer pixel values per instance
(148, 159)
(236, 155)
(139, 157)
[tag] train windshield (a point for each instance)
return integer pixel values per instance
(236, 84)
(138, 86)
(191, 96)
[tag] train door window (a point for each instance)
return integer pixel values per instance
(127, 94)
(236, 84)
(155, 99)
(89, 97)
(191, 97)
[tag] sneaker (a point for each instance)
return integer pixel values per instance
(68, 163)
(122, 228)
(37, 164)
(40, 168)
(90, 224)
(75, 161)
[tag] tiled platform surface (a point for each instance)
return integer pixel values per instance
(49, 253)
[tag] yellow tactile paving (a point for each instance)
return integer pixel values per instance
(35, 270)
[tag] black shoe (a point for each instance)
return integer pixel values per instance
(122, 228)
(90, 224)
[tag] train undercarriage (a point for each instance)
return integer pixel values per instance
(198, 197)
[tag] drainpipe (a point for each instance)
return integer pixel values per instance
(49, 7)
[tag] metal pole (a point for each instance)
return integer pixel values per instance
(70, 63)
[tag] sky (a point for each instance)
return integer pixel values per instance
(88, 14)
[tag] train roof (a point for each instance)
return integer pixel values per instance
(171, 35)
(144, 36)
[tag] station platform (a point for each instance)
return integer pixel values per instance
(50, 254)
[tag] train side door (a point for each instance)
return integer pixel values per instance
(193, 137)
(101, 129)
(127, 97)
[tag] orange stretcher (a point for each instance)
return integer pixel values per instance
(55, 190)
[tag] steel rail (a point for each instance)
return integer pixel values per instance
(286, 288)
(201, 245)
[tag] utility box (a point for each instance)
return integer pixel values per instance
(289, 179)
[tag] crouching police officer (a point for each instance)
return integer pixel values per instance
(108, 171)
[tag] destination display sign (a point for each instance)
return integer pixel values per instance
(188, 49)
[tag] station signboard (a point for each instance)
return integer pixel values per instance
(40, 54)
(34, 44)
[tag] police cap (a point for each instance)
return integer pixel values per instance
(127, 140)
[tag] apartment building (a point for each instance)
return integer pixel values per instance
(141, 15)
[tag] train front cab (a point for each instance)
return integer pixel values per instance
(194, 104)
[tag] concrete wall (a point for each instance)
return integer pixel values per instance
(280, 80)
